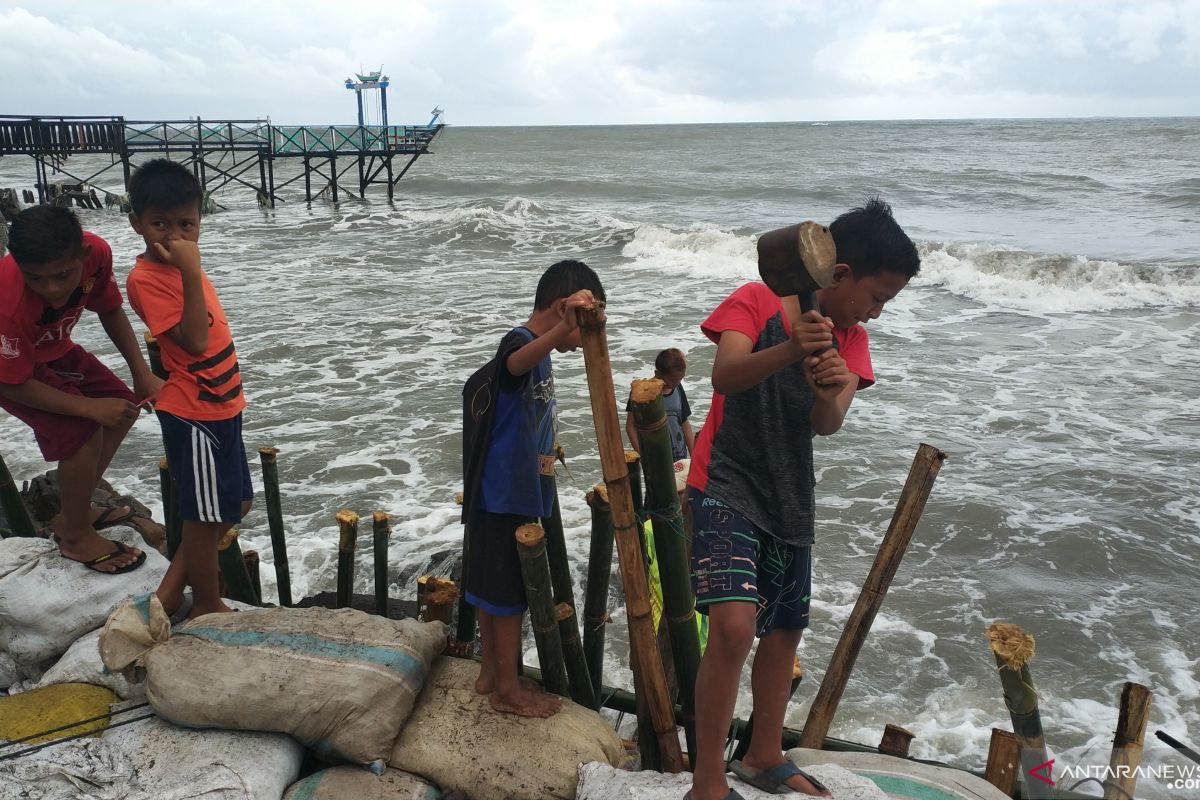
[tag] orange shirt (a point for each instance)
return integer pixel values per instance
(203, 387)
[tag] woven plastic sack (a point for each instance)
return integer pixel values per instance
(343, 783)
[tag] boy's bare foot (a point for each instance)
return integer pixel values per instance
(215, 608)
(86, 546)
(526, 703)
(485, 683)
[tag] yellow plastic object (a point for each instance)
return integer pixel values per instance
(36, 712)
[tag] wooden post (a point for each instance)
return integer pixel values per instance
(747, 730)
(564, 595)
(233, 569)
(895, 741)
(347, 541)
(921, 475)
(644, 652)
(1013, 649)
(1127, 743)
(435, 598)
(20, 523)
(170, 501)
(1003, 761)
(535, 569)
(595, 604)
(270, 469)
(381, 529)
(670, 546)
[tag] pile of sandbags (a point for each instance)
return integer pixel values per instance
(344, 783)
(602, 782)
(342, 682)
(455, 740)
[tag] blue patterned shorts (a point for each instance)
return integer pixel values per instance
(735, 560)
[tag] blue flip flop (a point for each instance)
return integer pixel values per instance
(774, 780)
(734, 794)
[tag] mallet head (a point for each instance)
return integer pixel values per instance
(798, 259)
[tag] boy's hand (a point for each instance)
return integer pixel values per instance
(827, 374)
(811, 333)
(110, 411)
(148, 386)
(183, 255)
(575, 302)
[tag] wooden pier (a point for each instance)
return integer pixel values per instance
(222, 153)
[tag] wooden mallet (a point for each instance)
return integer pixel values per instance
(797, 260)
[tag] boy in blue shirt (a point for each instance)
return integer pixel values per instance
(517, 484)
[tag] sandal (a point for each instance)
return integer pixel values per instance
(734, 794)
(110, 516)
(118, 549)
(774, 780)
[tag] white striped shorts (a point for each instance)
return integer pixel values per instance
(208, 462)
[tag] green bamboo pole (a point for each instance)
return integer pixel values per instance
(464, 635)
(234, 573)
(435, 598)
(270, 469)
(170, 501)
(539, 594)
(633, 462)
(154, 356)
(595, 604)
(1013, 649)
(347, 541)
(670, 547)
(252, 570)
(15, 512)
(564, 595)
(381, 529)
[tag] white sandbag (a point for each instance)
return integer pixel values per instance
(346, 783)
(155, 760)
(10, 673)
(340, 681)
(602, 782)
(81, 664)
(456, 740)
(47, 601)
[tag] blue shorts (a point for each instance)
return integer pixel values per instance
(494, 582)
(735, 560)
(208, 462)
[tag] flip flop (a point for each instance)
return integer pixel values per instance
(111, 516)
(118, 549)
(774, 780)
(734, 794)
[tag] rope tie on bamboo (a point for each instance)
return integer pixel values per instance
(688, 617)
(653, 426)
(552, 627)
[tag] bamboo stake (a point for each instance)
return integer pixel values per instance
(921, 475)
(252, 571)
(1013, 649)
(347, 542)
(464, 634)
(535, 570)
(595, 604)
(233, 569)
(633, 462)
(435, 598)
(20, 523)
(381, 529)
(670, 548)
(154, 356)
(747, 730)
(645, 660)
(895, 741)
(166, 487)
(1004, 756)
(564, 594)
(270, 469)
(1127, 744)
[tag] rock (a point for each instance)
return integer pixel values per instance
(42, 499)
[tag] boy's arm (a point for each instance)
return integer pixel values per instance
(528, 356)
(192, 331)
(116, 325)
(833, 386)
(105, 411)
(689, 438)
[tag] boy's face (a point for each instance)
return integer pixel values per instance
(55, 281)
(859, 300)
(671, 381)
(572, 342)
(166, 225)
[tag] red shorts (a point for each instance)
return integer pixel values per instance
(78, 373)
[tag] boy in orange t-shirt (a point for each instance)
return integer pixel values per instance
(200, 407)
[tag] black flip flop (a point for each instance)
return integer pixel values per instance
(109, 517)
(118, 549)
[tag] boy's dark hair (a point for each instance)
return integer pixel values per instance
(670, 362)
(163, 184)
(871, 241)
(565, 279)
(44, 234)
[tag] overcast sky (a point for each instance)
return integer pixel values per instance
(513, 62)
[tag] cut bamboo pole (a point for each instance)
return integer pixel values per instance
(347, 542)
(269, 456)
(233, 569)
(20, 523)
(1128, 742)
(670, 547)
(633, 462)
(921, 475)
(595, 604)
(381, 529)
(170, 502)
(535, 570)
(644, 653)
(252, 571)
(564, 594)
(1013, 649)
(747, 730)
(435, 598)
(464, 635)
(1003, 761)
(895, 741)
(154, 356)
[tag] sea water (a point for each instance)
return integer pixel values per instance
(1050, 346)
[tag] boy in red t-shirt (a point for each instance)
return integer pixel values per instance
(78, 409)
(200, 408)
(780, 377)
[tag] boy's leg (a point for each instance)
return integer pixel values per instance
(486, 681)
(77, 478)
(198, 552)
(508, 693)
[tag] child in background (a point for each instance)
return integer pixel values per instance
(200, 407)
(670, 367)
(515, 454)
(78, 409)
